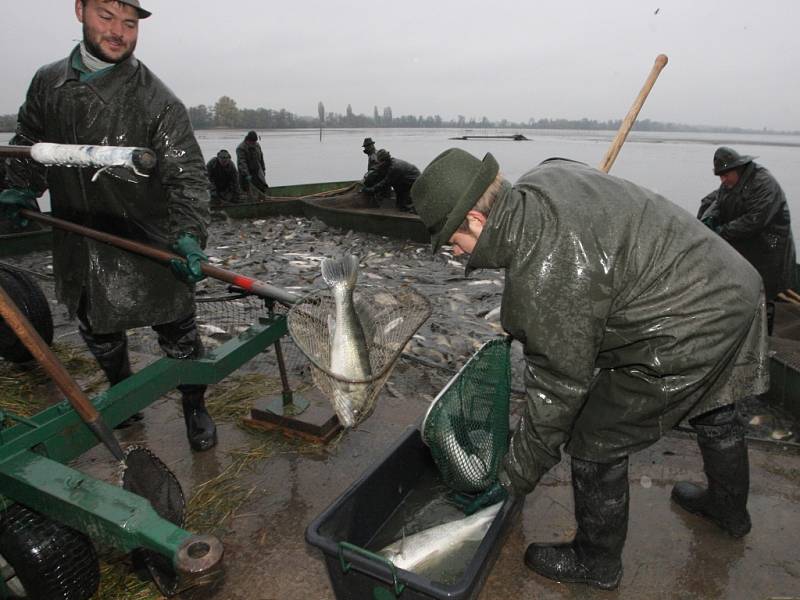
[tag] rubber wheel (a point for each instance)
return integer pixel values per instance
(30, 299)
(40, 558)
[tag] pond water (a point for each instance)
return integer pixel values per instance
(675, 164)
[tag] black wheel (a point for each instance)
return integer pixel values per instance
(30, 299)
(40, 558)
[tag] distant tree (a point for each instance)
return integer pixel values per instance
(226, 114)
(461, 120)
(387, 116)
(349, 115)
(321, 113)
(201, 117)
(8, 122)
(375, 116)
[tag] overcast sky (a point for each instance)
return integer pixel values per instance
(731, 62)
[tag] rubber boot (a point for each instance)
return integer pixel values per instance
(111, 353)
(594, 557)
(720, 436)
(200, 428)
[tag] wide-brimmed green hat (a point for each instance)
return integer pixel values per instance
(726, 159)
(448, 189)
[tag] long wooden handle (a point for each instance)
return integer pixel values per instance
(630, 118)
(142, 160)
(254, 286)
(31, 339)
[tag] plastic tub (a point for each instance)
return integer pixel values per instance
(347, 527)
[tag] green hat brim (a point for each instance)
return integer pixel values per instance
(483, 178)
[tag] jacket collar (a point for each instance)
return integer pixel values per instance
(107, 85)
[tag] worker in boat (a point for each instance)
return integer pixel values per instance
(373, 175)
(749, 210)
(372, 158)
(629, 326)
(223, 179)
(396, 174)
(111, 290)
(250, 160)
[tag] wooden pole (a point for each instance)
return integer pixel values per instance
(630, 118)
(22, 327)
(254, 286)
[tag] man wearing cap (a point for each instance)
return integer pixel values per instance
(250, 160)
(624, 336)
(749, 210)
(101, 94)
(223, 178)
(369, 150)
(393, 173)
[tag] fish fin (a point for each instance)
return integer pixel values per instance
(331, 326)
(343, 271)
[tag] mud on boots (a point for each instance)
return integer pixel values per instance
(720, 435)
(594, 556)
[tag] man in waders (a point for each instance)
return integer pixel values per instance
(750, 212)
(101, 94)
(624, 336)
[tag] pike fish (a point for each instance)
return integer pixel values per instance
(433, 545)
(348, 344)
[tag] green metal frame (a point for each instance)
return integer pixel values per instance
(32, 451)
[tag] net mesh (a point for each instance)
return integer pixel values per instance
(466, 427)
(389, 318)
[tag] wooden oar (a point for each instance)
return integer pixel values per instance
(254, 286)
(627, 123)
(25, 331)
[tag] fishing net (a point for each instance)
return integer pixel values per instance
(388, 318)
(466, 426)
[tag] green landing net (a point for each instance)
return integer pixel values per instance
(466, 426)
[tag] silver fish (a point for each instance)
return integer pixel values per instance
(348, 344)
(429, 546)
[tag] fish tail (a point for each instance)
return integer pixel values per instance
(343, 271)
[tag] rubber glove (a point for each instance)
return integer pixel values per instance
(190, 270)
(492, 495)
(14, 199)
(712, 224)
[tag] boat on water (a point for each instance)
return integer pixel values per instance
(335, 203)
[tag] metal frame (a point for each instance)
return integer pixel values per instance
(34, 450)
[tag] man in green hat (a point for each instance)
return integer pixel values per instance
(615, 295)
(749, 210)
(101, 94)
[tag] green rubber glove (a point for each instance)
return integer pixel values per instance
(190, 270)
(14, 199)
(492, 495)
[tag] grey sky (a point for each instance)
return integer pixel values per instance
(732, 62)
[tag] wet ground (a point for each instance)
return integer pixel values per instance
(669, 554)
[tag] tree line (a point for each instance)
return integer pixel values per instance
(226, 114)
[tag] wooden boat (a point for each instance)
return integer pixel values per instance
(337, 204)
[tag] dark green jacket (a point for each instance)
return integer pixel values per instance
(753, 217)
(250, 161)
(125, 106)
(632, 315)
(398, 174)
(223, 178)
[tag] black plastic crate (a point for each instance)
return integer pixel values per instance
(347, 527)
